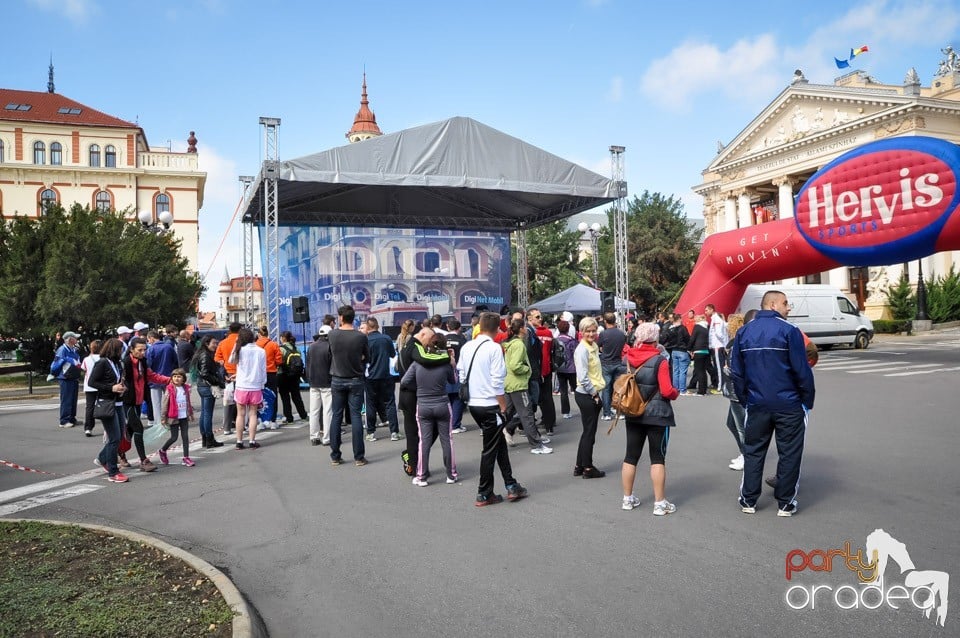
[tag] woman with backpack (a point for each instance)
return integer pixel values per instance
(566, 369)
(288, 382)
(652, 372)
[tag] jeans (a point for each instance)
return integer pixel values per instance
(69, 391)
(108, 454)
(381, 397)
(207, 403)
(347, 393)
(680, 360)
(610, 374)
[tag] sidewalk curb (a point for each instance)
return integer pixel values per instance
(244, 623)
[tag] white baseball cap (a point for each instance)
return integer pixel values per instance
(123, 330)
(140, 326)
(325, 330)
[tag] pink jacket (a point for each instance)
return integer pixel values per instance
(169, 405)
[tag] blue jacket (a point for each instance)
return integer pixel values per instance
(64, 354)
(768, 365)
(162, 358)
(381, 351)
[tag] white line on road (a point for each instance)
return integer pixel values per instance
(44, 499)
(906, 374)
(836, 365)
(42, 486)
(914, 365)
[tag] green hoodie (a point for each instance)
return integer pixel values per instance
(518, 365)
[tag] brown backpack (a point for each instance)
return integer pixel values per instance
(627, 398)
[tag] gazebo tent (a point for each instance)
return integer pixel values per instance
(577, 299)
(457, 173)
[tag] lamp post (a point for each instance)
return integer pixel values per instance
(594, 230)
(162, 223)
(921, 293)
(438, 272)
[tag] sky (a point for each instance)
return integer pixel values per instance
(668, 81)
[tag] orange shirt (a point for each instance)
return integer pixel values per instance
(274, 356)
(222, 355)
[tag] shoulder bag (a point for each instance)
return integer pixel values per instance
(465, 386)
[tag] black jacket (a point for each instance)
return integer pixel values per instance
(675, 337)
(700, 339)
(102, 378)
(146, 376)
(319, 359)
(208, 370)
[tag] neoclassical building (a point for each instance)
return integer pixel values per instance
(56, 150)
(756, 176)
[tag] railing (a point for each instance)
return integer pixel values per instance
(168, 161)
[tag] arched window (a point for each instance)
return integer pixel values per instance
(56, 154)
(48, 197)
(161, 205)
(39, 153)
(95, 155)
(103, 201)
(110, 156)
(1, 151)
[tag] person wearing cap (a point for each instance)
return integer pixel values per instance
(66, 368)
(124, 334)
(317, 369)
(140, 329)
(652, 372)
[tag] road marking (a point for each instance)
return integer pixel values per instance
(42, 486)
(906, 374)
(913, 365)
(21, 407)
(45, 499)
(836, 365)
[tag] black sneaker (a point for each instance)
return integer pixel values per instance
(407, 468)
(240, 445)
(336, 462)
(578, 471)
(592, 472)
(516, 491)
(88, 432)
(488, 499)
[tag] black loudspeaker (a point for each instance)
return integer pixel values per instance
(607, 301)
(301, 310)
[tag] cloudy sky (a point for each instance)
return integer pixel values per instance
(665, 80)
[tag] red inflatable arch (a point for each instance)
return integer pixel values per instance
(885, 202)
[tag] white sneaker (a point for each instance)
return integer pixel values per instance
(545, 440)
(567, 416)
(509, 438)
(629, 502)
(606, 418)
(394, 436)
(543, 449)
(273, 425)
(371, 437)
(260, 426)
(419, 482)
(452, 479)
(459, 430)
(663, 508)
(736, 464)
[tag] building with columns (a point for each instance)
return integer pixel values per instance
(755, 177)
(56, 150)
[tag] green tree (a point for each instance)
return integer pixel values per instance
(91, 270)
(661, 250)
(903, 302)
(551, 259)
(943, 297)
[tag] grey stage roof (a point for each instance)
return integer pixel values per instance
(457, 173)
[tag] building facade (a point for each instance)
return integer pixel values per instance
(232, 307)
(56, 150)
(755, 178)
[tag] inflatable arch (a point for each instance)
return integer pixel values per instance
(885, 202)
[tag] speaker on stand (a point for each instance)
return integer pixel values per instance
(301, 315)
(607, 302)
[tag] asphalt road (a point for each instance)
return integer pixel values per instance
(324, 551)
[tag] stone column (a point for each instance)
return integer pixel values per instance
(729, 213)
(840, 277)
(785, 195)
(744, 213)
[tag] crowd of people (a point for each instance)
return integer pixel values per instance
(505, 370)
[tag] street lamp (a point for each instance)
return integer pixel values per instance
(438, 272)
(594, 230)
(162, 223)
(921, 293)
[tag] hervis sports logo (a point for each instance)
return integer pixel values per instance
(882, 203)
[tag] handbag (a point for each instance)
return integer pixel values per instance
(105, 409)
(465, 386)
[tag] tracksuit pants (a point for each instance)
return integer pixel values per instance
(789, 429)
(433, 421)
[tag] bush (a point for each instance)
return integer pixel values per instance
(943, 298)
(886, 326)
(903, 303)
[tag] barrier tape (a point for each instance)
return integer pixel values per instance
(17, 466)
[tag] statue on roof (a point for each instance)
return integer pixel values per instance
(950, 64)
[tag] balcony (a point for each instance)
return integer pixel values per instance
(186, 162)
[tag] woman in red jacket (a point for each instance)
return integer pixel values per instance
(653, 377)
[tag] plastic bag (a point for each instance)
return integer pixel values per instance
(156, 435)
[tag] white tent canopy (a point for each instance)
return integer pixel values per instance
(457, 173)
(578, 299)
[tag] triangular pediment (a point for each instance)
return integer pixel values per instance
(804, 112)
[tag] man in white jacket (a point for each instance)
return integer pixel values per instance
(717, 331)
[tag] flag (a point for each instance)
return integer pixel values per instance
(588, 280)
(843, 64)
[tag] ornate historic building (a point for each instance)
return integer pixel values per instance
(232, 307)
(756, 176)
(56, 150)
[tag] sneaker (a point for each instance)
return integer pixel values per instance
(371, 437)
(488, 499)
(578, 471)
(240, 445)
(122, 461)
(100, 465)
(360, 462)
(509, 438)
(516, 491)
(788, 510)
(663, 508)
(459, 430)
(545, 440)
(419, 482)
(147, 466)
(394, 436)
(452, 479)
(747, 509)
(163, 457)
(542, 449)
(187, 461)
(67, 425)
(629, 502)
(118, 478)
(254, 444)
(549, 433)
(592, 472)
(736, 464)
(714, 391)
(567, 416)
(771, 481)
(315, 442)
(607, 417)
(336, 462)
(260, 427)
(228, 432)
(88, 432)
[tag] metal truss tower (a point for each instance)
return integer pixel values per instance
(246, 249)
(523, 276)
(620, 233)
(271, 250)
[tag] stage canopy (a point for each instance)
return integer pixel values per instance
(457, 174)
(578, 299)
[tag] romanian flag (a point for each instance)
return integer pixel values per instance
(843, 64)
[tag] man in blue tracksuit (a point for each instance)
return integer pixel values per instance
(772, 379)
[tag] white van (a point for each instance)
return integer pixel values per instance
(822, 312)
